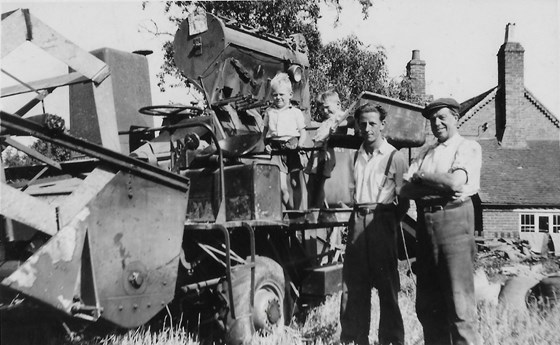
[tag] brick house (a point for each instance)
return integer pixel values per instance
(520, 139)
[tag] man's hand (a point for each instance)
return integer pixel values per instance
(417, 177)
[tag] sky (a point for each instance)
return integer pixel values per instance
(458, 39)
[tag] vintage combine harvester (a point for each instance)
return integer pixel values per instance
(188, 221)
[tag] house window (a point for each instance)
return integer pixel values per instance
(539, 222)
(556, 223)
(527, 222)
(544, 223)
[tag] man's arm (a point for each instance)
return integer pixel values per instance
(401, 166)
(465, 168)
(422, 184)
(442, 182)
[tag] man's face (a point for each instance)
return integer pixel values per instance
(444, 124)
(281, 96)
(370, 126)
(331, 106)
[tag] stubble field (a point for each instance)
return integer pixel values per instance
(497, 324)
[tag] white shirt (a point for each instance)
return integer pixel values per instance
(369, 172)
(284, 122)
(457, 153)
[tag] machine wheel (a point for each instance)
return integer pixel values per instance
(269, 306)
(547, 292)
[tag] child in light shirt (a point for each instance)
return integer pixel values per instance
(284, 128)
(322, 161)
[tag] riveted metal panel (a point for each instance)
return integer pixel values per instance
(135, 233)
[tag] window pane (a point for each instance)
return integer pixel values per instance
(543, 224)
(527, 223)
(556, 223)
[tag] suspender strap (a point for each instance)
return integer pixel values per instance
(386, 175)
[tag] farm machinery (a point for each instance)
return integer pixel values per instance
(182, 219)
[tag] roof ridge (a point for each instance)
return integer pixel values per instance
(475, 108)
(542, 108)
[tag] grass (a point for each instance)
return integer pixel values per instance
(144, 336)
(497, 325)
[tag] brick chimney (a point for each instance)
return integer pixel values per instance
(511, 90)
(416, 71)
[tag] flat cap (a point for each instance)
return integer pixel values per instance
(438, 104)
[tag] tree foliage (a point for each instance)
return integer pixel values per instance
(14, 158)
(403, 90)
(346, 65)
(11, 157)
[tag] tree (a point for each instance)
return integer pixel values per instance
(12, 157)
(52, 151)
(403, 90)
(348, 67)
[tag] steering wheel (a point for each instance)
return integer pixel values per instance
(235, 146)
(171, 110)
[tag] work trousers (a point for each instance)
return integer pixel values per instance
(445, 302)
(370, 261)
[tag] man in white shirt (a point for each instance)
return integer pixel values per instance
(370, 259)
(442, 180)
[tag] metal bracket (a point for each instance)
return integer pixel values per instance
(197, 46)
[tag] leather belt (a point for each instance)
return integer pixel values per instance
(365, 209)
(431, 207)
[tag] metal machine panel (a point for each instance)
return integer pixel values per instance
(50, 274)
(405, 125)
(117, 257)
(130, 91)
(234, 61)
(323, 280)
(135, 232)
(252, 193)
(337, 187)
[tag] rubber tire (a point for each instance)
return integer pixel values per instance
(547, 292)
(515, 292)
(268, 275)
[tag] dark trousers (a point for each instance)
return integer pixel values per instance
(445, 302)
(316, 191)
(370, 261)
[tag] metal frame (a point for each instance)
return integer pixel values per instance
(20, 26)
(107, 156)
(224, 228)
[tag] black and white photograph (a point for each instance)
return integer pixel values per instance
(271, 172)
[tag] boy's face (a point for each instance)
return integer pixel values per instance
(330, 107)
(281, 96)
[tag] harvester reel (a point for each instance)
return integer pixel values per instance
(171, 110)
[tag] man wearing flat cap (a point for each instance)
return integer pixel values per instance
(441, 180)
